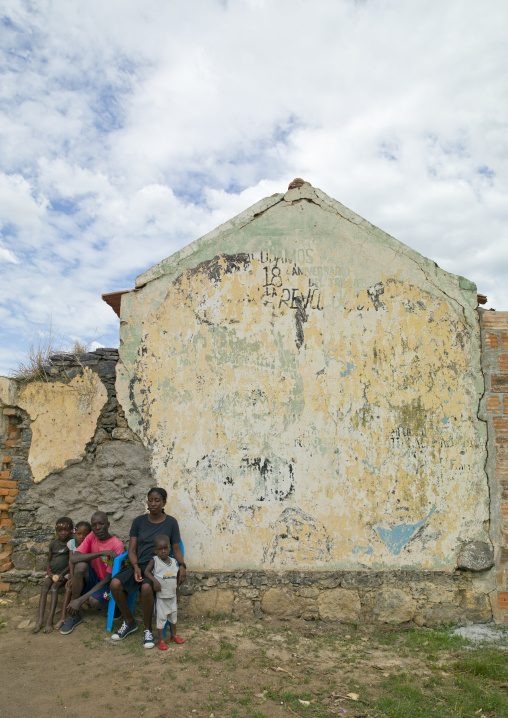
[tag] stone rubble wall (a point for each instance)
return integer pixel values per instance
(113, 476)
(426, 597)
(494, 330)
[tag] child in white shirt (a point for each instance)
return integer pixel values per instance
(163, 571)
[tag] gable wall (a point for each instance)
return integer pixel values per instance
(308, 390)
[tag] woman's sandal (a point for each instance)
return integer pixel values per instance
(162, 646)
(177, 639)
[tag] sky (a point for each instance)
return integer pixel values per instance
(128, 129)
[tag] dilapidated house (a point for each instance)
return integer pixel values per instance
(324, 406)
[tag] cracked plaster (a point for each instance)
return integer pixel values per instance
(64, 418)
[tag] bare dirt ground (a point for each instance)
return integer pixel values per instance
(226, 668)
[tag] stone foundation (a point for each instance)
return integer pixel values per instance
(427, 598)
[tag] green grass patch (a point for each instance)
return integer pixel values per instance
(489, 664)
(225, 651)
(469, 690)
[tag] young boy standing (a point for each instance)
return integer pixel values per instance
(162, 571)
(57, 569)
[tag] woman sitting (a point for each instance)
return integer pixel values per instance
(143, 531)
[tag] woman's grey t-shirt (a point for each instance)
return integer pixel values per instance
(145, 532)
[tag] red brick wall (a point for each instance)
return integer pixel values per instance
(495, 366)
(8, 493)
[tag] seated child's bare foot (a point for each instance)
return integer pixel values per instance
(59, 624)
(48, 628)
(37, 627)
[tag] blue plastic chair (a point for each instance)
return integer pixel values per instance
(131, 600)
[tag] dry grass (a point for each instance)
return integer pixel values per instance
(37, 361)
(79, 347)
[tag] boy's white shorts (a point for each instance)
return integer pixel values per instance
(166, 611)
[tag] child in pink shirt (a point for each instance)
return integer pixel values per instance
(93, 564)
(104, 563)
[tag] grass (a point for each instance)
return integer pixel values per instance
(404, 697)
(464, 680)
(36, 363)
(37, 358)
(79, 347)
(225, 651)
(492, 664)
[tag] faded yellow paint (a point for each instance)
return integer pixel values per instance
(64, 418)
(318, 409)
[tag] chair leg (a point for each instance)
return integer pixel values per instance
(111, 613)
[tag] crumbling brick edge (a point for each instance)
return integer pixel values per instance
(494, 336)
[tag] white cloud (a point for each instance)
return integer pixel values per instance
(7, 256)
(132, 129)
(18, 206)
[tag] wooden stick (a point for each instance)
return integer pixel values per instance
(282, 670)
(292, 711)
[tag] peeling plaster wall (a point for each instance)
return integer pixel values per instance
(308, 389)
(64, 418)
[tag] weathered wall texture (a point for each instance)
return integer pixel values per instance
(64, 417)
(308, 389)
(425, 597)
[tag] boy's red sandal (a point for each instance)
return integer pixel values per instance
(162, 646)
(177, 639)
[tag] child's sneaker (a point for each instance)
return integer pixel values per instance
(148, 641)
(70, 624)
(124, 631)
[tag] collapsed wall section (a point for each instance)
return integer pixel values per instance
(67, 450)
